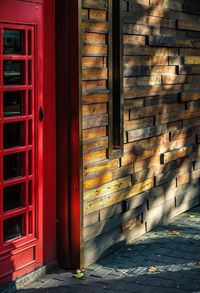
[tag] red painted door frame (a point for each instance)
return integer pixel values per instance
(69, 159)
(40, 15)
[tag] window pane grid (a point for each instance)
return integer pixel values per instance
(17, 212)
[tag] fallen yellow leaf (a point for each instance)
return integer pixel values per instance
(153, 270)
(175, 233)
(79, 275)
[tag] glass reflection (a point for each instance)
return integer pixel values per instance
(12, 104)
(13, 135)
(13, 42)
(13, 228)
(13, 197)
(13, 166)
(13, 72)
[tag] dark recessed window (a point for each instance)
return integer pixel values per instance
(116, 140)
(13, 42)
(13, 228)
(13, 135)
(13, 103)
(13, 166)
(13, 197)
(13, 72)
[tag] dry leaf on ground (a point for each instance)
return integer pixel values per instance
(192, 216)
(79, 275)
(175, 233)
(153, 270)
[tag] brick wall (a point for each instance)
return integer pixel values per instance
(158, 176)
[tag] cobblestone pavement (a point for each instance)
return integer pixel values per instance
(164, 260)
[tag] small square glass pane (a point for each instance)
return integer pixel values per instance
(13, 103)
(13, 228)
(13, 197)
(13, 42)
(13, 135)
(13, 166)
(13, 72)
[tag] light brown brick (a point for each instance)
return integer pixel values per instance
(176, 154)
(98, 14)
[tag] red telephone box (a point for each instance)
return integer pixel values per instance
(27, 137)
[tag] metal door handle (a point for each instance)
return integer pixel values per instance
(41, 114)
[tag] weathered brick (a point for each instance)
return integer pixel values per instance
(94, 121)
(100, 4)
(143, 60)
(108, 188)
(143, 9)
(162, 41)
(94, 133)
(133, 40)
(95, 144)
(176, 154)
(97, 181)
(175, 60)
(138, 29)
(91, 87)
(190, 43)
(94, 109)
(188, 177)
(92, 98)
(137, 92)
(139, 123)
(146, 132)
(189, 69)
(182, 133)
(162, 100)
(192, 105)
(92, 38)
(145, 50)
(190, 96)
(94, 26)
(142, 81)
(128, 158)
(138, 147)
(95, 156)
(173, 79)
(176, 116)
(191, 122)
(94, 74)
(189, 52)
(191, 7)
(90, 62)
(141, 112)
(131, 103)
(142, 70)
(93, 170)
(150, 20)
(98, 14)
(173, 4)
(94, 50)
(147, 163)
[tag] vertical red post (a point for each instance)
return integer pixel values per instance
(69, 165)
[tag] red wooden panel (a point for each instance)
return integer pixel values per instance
(27, 217)
(68, 138)
(33, 1)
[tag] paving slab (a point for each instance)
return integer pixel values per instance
(165, 260)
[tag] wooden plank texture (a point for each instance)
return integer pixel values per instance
(157, 176)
